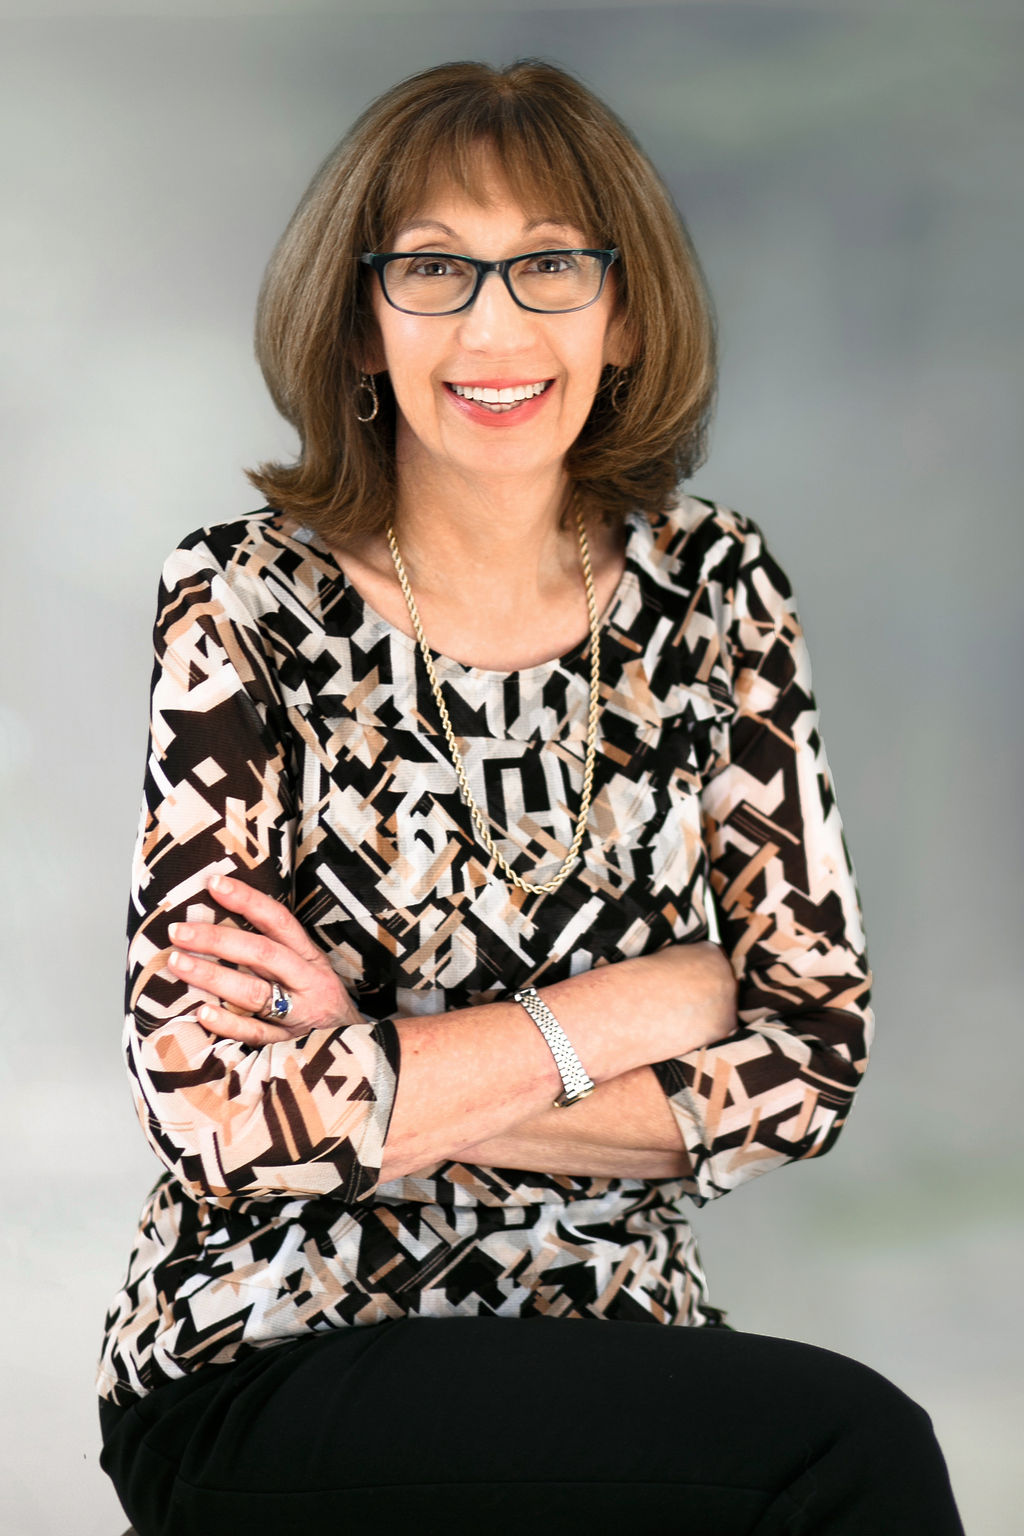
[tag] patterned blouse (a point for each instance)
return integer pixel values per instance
(295, 743)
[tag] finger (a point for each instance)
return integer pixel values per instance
(251, 993)
(263, 912)
(241, 947)
(234, 1026)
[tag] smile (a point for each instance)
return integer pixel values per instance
(500, 400)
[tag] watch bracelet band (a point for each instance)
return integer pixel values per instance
(576, 1083)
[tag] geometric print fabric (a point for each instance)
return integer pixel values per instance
(295, 743)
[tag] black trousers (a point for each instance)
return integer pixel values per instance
(470, 1425)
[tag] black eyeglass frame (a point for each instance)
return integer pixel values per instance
(378, 260)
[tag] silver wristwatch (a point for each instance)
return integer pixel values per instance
(575, 1082)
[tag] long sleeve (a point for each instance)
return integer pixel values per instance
(780, 1087)
(306, 1116)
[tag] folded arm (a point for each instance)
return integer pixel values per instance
(779, 1088)
(755, 1056)
(624, 1129)
(478, 1084)
(235, 1106)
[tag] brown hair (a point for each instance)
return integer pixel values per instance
(563, 153)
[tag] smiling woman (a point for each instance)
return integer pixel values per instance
(578, 177)
(477, 337)
(457, 745)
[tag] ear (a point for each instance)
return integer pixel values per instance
(369, 350)
(619, 343)
(371, 358)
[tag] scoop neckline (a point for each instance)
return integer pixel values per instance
(637, 523)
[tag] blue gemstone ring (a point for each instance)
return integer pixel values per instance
(280, 1004)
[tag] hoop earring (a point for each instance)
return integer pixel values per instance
(615, 400)
(367, 385)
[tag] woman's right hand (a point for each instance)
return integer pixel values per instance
(280, 950)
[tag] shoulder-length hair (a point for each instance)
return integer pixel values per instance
(563, 154)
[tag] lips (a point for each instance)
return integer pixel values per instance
(499, 399)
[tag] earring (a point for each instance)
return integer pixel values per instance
(367, 385)
(616, 395)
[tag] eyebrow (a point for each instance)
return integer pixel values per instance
(435, 224)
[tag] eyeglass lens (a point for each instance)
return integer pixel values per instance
(427, 284)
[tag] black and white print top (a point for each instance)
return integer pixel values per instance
(295, 743)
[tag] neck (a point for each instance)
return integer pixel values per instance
(495, 576)
(461, 537)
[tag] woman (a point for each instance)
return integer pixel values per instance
(452, 744)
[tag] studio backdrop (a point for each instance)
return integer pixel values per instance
(851, 178)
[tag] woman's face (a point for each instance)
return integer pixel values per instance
(494, 345)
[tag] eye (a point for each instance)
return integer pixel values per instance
(554, 263)
(432, 266)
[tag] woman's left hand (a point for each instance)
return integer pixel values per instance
(280, 950)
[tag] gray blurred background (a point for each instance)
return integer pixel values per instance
(851, 176)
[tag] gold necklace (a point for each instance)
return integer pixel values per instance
(592, 713)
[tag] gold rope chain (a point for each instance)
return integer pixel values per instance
(571, 857)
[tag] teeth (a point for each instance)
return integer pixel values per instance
(514, 395)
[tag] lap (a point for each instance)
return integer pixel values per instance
(460, 1424)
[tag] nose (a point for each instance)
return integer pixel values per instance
(494, 321)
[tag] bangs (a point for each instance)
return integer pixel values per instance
(501, 145)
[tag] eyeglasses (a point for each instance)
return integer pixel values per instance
(439, 283)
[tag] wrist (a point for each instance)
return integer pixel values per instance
(647, 1009)
(576, 1081)
(594, 1010)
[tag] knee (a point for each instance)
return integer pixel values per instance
(873, 1410)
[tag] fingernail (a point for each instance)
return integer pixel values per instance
(179, 932)
(220, 882)
(181, 962)
(206, 1013)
